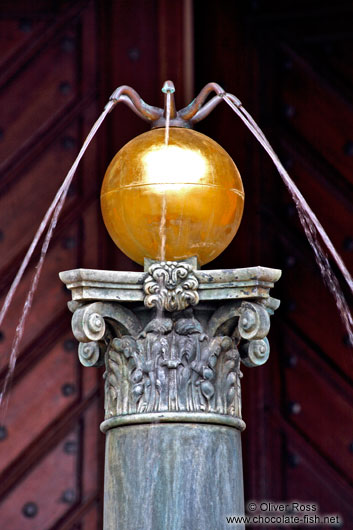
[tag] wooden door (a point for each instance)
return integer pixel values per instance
(290, 63)
(59, 63)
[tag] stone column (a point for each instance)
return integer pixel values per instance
(172, 340)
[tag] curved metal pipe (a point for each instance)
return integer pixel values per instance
(129, 103)
(148, 112)
(189, 112)
(196, 111)
(205, 110)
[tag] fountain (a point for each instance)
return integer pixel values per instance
(172, 338)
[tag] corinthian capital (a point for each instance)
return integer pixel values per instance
(169, 356)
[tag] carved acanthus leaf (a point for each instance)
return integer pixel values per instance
(178, 369)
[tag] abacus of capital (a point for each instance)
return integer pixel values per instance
(172, 339)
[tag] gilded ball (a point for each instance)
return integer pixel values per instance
(172, 201)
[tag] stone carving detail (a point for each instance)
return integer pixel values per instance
(250, 332)
(90, 354)
(94, 325)
(255, 352)
(254, 321)
(181, 361)
(88, 324)
(171, 286)
(172, 366)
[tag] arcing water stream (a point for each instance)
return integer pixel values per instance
(51, 218)
(310, 223)
(308, 219)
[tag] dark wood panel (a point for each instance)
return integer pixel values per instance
(175, 47)
(18, 199)
(309, 306)
(326, 417)
(309, 481)
(317, 112)
(48, 486)
(38, 399)
(93, 458)
(73, 450)
(335, 57)
(92, 229)
(91, 520)
(38, 96)
(50, 298)
(15, 35)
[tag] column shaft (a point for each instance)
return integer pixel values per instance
(175, 476)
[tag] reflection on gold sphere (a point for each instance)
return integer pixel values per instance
(171, 202)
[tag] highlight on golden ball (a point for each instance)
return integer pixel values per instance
(171, 202)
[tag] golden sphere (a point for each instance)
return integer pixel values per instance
(172, 201)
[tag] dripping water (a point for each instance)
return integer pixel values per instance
(51, 219)
(167, 118)
(162, 226)
(309, 221)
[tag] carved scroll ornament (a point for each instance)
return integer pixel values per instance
(177, 362)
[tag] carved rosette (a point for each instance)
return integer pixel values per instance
(171, 286)
(179, 366)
